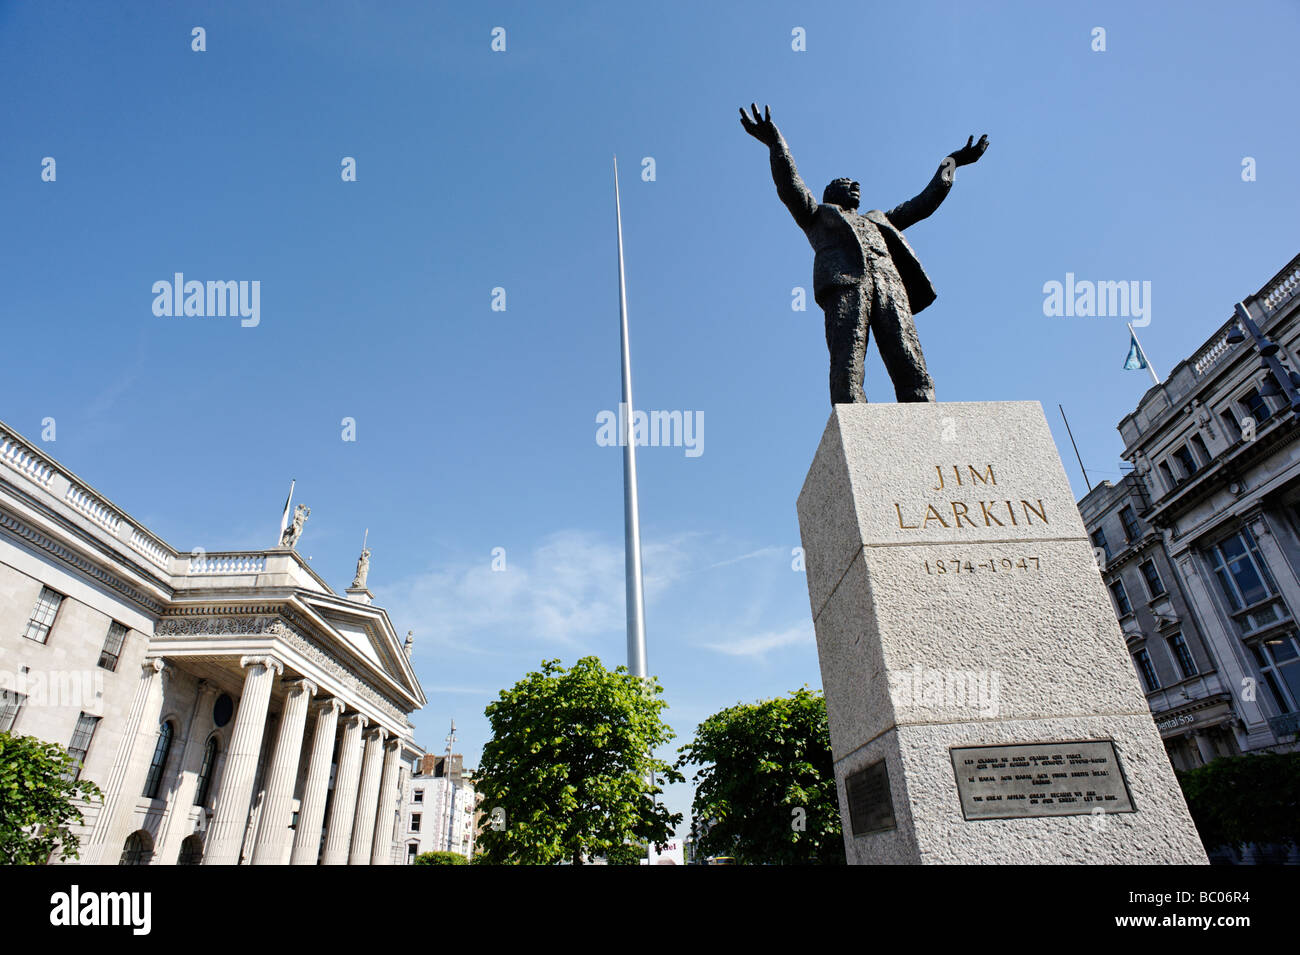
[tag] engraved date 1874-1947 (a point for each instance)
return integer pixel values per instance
(958, 565)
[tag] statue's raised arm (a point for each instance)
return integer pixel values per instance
(923, 205)
(789, 186)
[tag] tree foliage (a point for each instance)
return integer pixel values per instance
(38, 801)
(1243, 799)
(440, 858)
(566, 775)
(765, 792)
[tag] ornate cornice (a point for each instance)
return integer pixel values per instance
(260, 623)
(35, 538)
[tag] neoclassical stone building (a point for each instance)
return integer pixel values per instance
(1200, 543)
(232, 707)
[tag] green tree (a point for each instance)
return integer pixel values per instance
(37, 800)
(567, 773)
(765, 792)
(440, 858)
(1241, 799)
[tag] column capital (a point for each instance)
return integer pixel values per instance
(301, 683)
(156, 664)
(330, 703)
(394, 745)
(378, 735)
(265, 660)
(357, 720)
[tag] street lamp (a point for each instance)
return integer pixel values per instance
(1279, 379)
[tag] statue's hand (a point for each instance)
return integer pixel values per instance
(970, 153)
(760, 127)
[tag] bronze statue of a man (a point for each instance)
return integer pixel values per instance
(865, 275)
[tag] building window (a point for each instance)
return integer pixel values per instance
(1201, 450)
(1241, 571)
(412, 850)
(112, 646)
(205, 771)
(162, 748)
(1183, 654)
(417, 796)
(1132, 529)
(1185, 460)
(80, 744)
(138, 849)
(47, 608)
(1099, 540)
(1155, 586)
(191, 851)
(11, 701)
(1256, 406)
(1142, 660)
(415, 822)
(1230, 423)
(1121, 598)
(1279, 662)
(1170, 481)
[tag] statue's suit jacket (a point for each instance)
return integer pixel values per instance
(840, 259)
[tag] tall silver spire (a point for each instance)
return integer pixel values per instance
(636, 655)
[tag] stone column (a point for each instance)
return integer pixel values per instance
(381, 852)
(338, 836)
(175, 825)
(130, 768)
(1204, 747)
(363, 829)
(315, 791)
(230, 817)
(273, 832)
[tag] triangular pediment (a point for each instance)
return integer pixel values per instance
(366, 631)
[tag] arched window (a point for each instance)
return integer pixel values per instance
(138, 849)
(154, 780)
(191, 851)
(205, 771)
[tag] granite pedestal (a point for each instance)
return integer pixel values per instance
(982, 704)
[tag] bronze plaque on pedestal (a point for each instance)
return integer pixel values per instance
(1016, 780)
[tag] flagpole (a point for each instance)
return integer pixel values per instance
(1076, 449)
(636, 650)
(1150, 367)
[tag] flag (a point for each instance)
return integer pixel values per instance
(1135, 359)
(284, 518)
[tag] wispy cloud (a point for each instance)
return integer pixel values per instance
(758, 645)
(761, 552)
(566, 591)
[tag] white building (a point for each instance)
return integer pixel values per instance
(232, 707)
(438, 809)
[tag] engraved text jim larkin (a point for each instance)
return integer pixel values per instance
(1004, 512)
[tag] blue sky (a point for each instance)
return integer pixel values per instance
(477, 170)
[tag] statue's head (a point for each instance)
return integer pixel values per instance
(844, 193)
